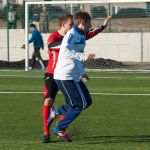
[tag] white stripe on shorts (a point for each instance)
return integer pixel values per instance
(67, 92)
(81, 94)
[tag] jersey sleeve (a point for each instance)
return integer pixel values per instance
(69, 52)
(52, 42)
(32, 37)
(94, 32)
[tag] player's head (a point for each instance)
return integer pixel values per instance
(83, 20)
(32, 27)
(66, 22)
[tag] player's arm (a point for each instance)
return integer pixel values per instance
(52, 43)
(32, 37)
(69, 52)
(94, 32)
(98, 29)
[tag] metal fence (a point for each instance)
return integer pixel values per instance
(126, 17)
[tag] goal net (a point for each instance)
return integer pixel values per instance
(126, 38)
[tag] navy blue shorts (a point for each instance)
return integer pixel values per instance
(76, 93)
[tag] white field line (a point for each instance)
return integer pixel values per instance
(22, 76)
(89, 70)
(92, 93)
(32, 76)
(142, 77)
(91, 77)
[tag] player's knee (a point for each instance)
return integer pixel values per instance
(48, 101)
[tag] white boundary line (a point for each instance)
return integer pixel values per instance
(22, 76)
(88, 70)
(91, 77)
(92, 93)
(32, 76)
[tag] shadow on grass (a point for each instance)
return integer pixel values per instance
(115, 139)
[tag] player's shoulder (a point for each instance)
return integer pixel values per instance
(55, 37)
(55, 34)
(71, 32)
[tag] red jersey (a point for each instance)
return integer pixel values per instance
(56, 38)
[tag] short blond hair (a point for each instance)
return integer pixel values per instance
(81, 17)
(65, 18)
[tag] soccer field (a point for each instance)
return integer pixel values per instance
(119, 118)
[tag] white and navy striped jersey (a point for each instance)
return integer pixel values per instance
(69, 66)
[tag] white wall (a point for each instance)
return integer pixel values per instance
(118, 46)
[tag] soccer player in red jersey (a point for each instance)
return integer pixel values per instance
(50, 87)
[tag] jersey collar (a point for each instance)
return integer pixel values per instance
(80, 31)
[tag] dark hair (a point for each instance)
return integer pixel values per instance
(32, 25)
(81, 17)
(65, 18)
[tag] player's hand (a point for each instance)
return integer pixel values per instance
(85, 78)
(105, 23)
(90, 56)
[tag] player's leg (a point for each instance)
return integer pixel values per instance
(33, 60)
(78, 97)
(77, 100)
(81, 85)
(50, 91)
(38, 55)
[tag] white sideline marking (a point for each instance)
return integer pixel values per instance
(92, 93)
(106, 77)
(122, 94)
(142, 77)
(21, 92)
(24, 76)
(90, 70)
(31, 76)
(111, 77)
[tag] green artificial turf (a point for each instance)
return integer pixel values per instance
(114, 121)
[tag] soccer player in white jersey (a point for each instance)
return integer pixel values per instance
(68, 73)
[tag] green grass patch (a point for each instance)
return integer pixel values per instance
(111, 123)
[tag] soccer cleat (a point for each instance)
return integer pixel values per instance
(62, 134)
(52, 116)
(46, 139)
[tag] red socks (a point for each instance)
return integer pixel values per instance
(46, 111)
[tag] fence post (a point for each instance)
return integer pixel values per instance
(109, 12)
(141, 46)
(7, 10)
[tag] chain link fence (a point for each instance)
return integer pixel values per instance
(126, 18)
